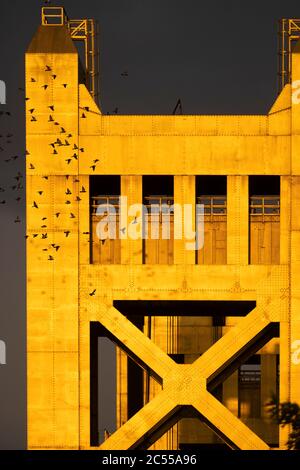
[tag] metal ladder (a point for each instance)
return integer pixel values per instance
(83, 30)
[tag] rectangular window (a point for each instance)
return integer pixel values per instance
(211, 191)
(104, 219)
(264, 223)
(158, 197)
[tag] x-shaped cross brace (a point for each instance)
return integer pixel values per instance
(184, 384)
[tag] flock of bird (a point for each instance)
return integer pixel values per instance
(64, 139)
(15, 187)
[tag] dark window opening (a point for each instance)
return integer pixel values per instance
(211, 192)
(154, 185)
(264, 223)
(103, 408)
(105, 196)
(158, 196)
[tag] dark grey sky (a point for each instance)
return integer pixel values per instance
(217, 56)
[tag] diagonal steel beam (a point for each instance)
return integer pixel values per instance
(232, 343)
(146, 421)
(135, 341)
(184, 384)
(228, 426)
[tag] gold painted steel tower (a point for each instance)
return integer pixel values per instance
(203, 337)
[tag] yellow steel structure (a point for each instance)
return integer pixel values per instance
(68, 140)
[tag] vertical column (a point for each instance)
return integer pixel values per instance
(131, 249)
(285, 258)
(285, 219)
(85, 237)
(237, 220)
(52, 228)
(295, 291)
(185, 193)
(294, 331)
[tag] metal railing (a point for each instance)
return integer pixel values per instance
(216, 205)
(264, 205)
(54, 16)
(267, 205)
(107, 201)
(159, 201)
